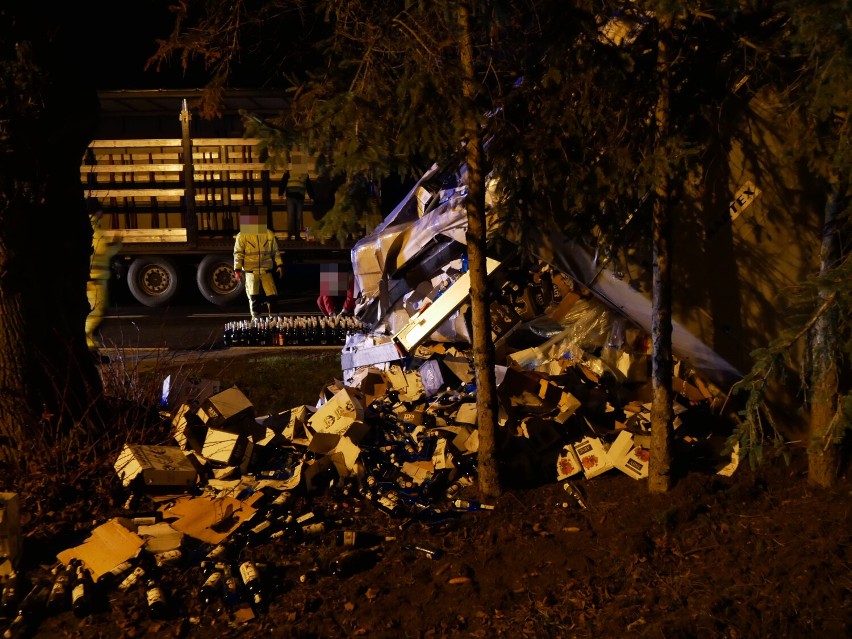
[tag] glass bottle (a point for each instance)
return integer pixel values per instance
(155, 599)
(134, 577)
(81, 592)
(230, 588)
(28, 612)
(353, 561)
(168, 558)
(58, 597)
(10, 595)
(359, 538)
(212, 586)
(469, 504)
(250, 576)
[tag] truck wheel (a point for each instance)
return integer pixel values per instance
(153, 281)
(216, 281)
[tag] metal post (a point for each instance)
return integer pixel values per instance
(188, 179)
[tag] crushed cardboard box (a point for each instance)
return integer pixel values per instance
(155, 465)
(109, 545)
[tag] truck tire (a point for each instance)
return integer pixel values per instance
(152, 280)
(216, 281)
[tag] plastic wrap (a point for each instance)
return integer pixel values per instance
(381, 255)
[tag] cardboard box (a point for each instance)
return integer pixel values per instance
(156, 465)
(370, 381)
(627, 457)
(564, 402)
(461, 366)
(337, 414)
(424, 323)
(567, 464)
(10, 532)
(188, 430)
(407, 383)
(229, 406)
(504, 321)
(290, 424)
(435, 377)
(109, 545)
(209, 519)
(563, 308)
(228, 448)
(370, 355)
(466, 414)
(526, 306)
(593, 457)
(415, 417)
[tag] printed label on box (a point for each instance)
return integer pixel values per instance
(567, 464)
(592, 456)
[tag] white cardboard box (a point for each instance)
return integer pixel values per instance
(338, 413)
(428, 319)
(157, 465)
(226, 447)
(229, 405)
(592, 456)
(408, 384)
(567, 464)
(10, 532)
(627, 457)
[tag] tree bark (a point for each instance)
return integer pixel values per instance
(823, 452)
(483, 346)
(660, 467)
(47, 378)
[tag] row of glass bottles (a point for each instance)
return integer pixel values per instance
(307, 330)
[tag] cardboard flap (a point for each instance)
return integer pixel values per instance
(209, 519)
(109, 545)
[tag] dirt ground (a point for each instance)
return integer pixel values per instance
(759, 554)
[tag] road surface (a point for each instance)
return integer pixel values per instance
(188, 325)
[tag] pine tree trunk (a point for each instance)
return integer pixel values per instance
(823, 452)
(47, 378)
(483, 347)
(659, 472)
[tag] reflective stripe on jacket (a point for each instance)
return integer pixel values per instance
(298, 184)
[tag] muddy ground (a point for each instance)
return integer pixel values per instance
(760, 554)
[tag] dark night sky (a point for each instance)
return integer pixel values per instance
(120, 36)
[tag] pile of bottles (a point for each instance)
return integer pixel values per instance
(304, 330)
(245, 570)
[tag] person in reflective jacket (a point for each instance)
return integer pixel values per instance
(295, 185)
(104, 248)
(256, 256)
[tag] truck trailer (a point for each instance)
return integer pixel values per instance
(174, 204)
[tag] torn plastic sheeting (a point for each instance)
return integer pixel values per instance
(575, 261)
(405, 211)
(386, 251)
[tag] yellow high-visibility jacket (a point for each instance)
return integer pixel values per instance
(256, 252)
(104, 248)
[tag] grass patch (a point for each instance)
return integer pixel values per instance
(273, 382)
